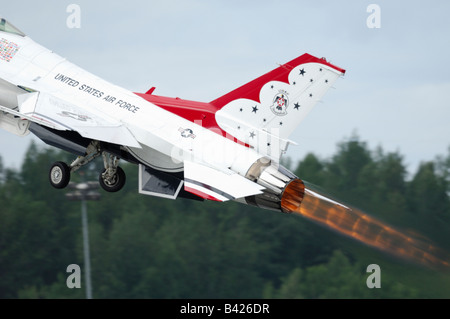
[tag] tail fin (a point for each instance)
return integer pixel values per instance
(265, 111)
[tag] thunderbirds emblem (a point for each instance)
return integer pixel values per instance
(280, 103)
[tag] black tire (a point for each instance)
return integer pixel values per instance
(117, 185)
(59, 175)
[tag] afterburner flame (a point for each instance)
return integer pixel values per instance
(293, 196)
(358, 225)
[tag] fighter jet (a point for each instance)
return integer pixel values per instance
(226, 149)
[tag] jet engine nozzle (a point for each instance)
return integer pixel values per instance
(284, 191)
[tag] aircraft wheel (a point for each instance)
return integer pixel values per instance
(113, 183)
(59, 175)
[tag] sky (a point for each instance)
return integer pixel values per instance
(395, 93)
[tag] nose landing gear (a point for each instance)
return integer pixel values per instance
(59, 175)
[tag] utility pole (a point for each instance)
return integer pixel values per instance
(83, 192)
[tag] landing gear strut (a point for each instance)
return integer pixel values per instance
(111, 179)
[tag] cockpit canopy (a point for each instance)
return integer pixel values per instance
(5, 26)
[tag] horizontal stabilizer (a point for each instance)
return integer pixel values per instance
(213, 184)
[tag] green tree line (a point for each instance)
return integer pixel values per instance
(146, 247)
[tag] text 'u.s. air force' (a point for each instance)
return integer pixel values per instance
(87, 89)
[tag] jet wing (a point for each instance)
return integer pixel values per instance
(56, 113)
(212, 184)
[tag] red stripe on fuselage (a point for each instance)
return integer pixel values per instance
(200, 113)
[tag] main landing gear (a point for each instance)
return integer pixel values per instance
(111, 179)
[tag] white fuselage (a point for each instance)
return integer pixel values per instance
(158, 132)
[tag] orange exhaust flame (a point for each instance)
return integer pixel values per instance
(358, 225)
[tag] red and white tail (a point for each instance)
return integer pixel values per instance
(264, 112)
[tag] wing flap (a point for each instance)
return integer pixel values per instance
(212, 184)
